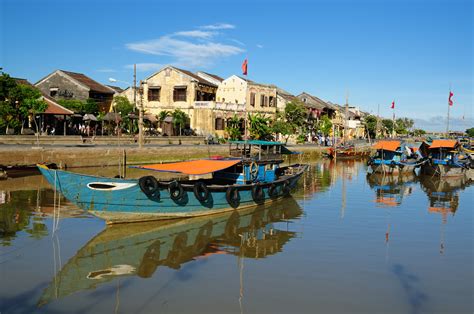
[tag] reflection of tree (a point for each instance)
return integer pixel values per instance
(15, 216)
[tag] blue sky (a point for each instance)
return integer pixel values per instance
(375, 51)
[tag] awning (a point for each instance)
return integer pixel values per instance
(443, 144)
(387, 145)
(193, 167)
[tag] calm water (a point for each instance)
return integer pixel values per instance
(344, 243)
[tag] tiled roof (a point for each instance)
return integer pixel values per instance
(312, 101)
(194, 76)
(116, 88)
(214, 76)
(87, 81)
(53, 106)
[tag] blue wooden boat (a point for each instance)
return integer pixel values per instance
(394, 157)
(250, 177)
(446, 158)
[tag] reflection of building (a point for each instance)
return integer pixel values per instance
(71, 85)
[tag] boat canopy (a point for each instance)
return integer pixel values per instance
(387, 145)
(443, 144)
(193, 167)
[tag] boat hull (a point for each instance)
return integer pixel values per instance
(128, 203)
(395, 169)
(442, 170)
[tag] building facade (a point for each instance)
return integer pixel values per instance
(71, 85)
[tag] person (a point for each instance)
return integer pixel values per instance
(53, 130)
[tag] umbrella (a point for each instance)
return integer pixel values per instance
(112, 116)
(150, 117)
(89, 117)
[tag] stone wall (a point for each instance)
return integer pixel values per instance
(67, 88)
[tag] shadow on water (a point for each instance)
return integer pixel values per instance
(410, 284)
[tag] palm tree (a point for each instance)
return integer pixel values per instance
(258, 127)
(179, 119)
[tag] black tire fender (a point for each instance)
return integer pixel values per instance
(257, 193)
(176, 190)
(201, 191)
(272, 191)
(233, 196)
(149, 186)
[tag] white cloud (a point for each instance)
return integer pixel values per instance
(196, 34)
(259, 46)
(190, 49)
(144, 67)
(218, 26)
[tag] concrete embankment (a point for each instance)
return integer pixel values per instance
(25, 155)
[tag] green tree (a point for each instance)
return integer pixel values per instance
(233, 128)
(470, 132)
(324, 125)
(295, 116)
(387, 125)
(403, 125)
(163, 115)
(418, 132)
(180, 118)
(259, 128)
(371, 125)
(90, 106)
(18, 102)
(123, 105)
(72, 104)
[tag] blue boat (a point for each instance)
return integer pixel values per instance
(394, 157)
(251, 176)
(446, 158)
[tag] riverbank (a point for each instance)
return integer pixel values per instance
(103, 156)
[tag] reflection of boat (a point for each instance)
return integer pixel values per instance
(393, 157)
(446, 159)
(139, 249)
(443, 193)
(390, 190)
(251, 177)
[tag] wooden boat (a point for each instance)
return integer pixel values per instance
(214, 185)
(393, 157)
(446, 158)
(124, 250)
(347, 152)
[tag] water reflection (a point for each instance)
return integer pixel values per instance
(139, 249)
(390, 190)
(25, 202)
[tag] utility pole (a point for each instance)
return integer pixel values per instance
(140, 116)
(377, 130)
(346, 113)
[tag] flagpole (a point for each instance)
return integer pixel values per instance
(393, 119)
(245, 107)
(449, 105)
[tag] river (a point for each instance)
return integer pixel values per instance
(344, 242)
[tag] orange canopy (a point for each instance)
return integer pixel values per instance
(387, 145)
(194, 167)
(443, 144)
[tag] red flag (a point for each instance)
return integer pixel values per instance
(393, 105)
(450, 101)
(244, 67)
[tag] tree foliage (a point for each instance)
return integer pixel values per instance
(371, 125)
(18, 102)
(259, 127)
(470, 132)
(324, 125)
(180, 119)
(387, 124)
(233, 128)
(79, 106)
(418, 132)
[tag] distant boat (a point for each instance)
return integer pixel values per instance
(347, 152)
(446, 158)
(250, 177)
(123, 251)
(393, 157)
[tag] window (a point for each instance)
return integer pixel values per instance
(154, 93)
(263, 101)
(179, 93)
(272, 101)
(252, 99)
(219, 124)
(53, 91)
